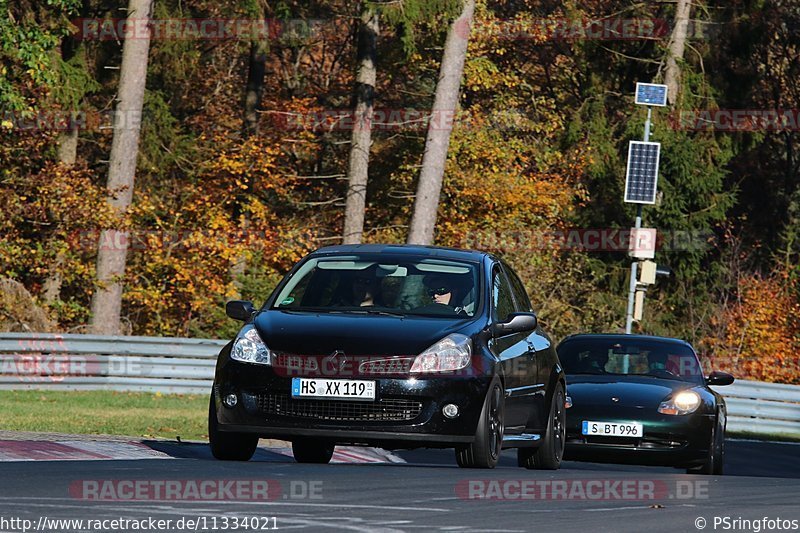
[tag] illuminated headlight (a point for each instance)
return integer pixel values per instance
(683, 403)
(249, 348)
(453, 352)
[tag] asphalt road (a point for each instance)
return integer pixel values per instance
(429, 493)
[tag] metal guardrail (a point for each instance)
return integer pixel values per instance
(177, 365)
(91, 362)
(762, 408)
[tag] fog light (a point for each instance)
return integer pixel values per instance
(450, 410)
(230, 400)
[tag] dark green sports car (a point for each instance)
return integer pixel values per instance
(644, 400)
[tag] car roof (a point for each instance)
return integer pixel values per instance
(439, 252)
(622, 336)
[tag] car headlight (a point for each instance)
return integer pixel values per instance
(683, 403)
(249, 348)
(453, 352)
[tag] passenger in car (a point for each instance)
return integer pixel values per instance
(593, 362)
(364, 290)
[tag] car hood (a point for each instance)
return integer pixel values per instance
(307, 333)
(631, 391)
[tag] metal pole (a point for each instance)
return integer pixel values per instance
(637, 226)
(632, 285)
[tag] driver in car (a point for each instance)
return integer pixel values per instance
(657, 365)
(444, 290)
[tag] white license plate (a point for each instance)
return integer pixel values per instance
(345, 389)
(612, 429)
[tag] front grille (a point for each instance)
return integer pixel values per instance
(383, 410)
(646, 442)
(616, 441)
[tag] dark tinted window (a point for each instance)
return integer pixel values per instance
(630, 357)
(523, 303)
(502, 303)
(382, 283)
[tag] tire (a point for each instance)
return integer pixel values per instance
(484, 452)
(228, 446)
(715, 462)
(312, 451)
(550, 452)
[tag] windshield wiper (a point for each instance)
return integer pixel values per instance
(309, 309)
(661, 376)
(375, 312)
(338, 311)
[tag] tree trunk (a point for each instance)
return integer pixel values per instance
(255, 86)
(426, 202)
(113, 245)
(67, 145)
(672, 77)
(51, 290)
(254, 90)
(361, 138)
(68, 139)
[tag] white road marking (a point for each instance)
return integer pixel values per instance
(27, 501)
(631, 508)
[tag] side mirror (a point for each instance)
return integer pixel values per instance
(719, 378)
(240, 310)
(516, 323)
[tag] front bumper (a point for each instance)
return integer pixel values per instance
(406, 413)
(681, 441)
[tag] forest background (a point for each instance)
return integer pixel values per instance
(244, 158)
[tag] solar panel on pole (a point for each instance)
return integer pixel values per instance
(651, 94)
(641, 177)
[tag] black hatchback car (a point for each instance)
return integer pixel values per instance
(392, 346)
(642, 399)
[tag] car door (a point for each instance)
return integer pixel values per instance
(532, 390)
(511, 350)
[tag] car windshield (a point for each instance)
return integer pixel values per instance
(372, 284)
(654, 358)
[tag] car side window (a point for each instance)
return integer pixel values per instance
(523, 303)
(502, 302)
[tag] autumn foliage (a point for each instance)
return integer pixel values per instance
(539, 144)
(761, 327)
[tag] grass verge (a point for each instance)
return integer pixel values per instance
(137, 414)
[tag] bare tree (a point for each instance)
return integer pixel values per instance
(677, 44)
(361, 138)
(426, 202)
(113, 245)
